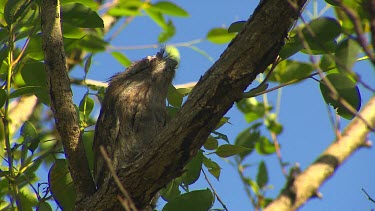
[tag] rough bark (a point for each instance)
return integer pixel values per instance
(254, 48)
(61, 98)
(306, 184)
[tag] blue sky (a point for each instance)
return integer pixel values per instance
(303, 113)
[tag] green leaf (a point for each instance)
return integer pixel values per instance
(291, 47)
(236, 26)
(80, 15)
(169, 8)
(121, 58)
(321, 30)
(252, 109)
(346, 89)
(123, 11)
(30, 136)
(29, 18)
(39, 91)
(202, 52)
(223, 120)
(272, 124)
(34, 74)
(265, 202)
(167, 32)
(318, 48)
(212, 167)
(157, 17)
(332, 2)
(172, 111)
(88, 3)
(357, 7)
(219, 36)
(100, 94)
(198, 200)
(254, 186)
(319, 35)
(174, 98)
(72, 32)
(257, 90)
(211, 143)
(92, 43)
(26, 90)
(264, 146)
(31, 169)
(88, 64)
(193, 169)
(221, 136)
(171, 191)
(14, 9)
(3, 97)
(127, 8)
(289, 70)
(2, 7)
(34, 49)
(3, 55)
(227, 150)
(44, 206)
(88, 139)
(185, 90)
(61, 185)
(327, 62)
(28, 199)
(262, 175)
(247, 138)
(346, 55)
(86, 105)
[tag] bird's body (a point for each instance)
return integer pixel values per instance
(133, 112)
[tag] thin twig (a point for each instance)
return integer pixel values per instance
(361, 39)
(331, 118)
(212, 187)
(127, 202)
(140, 47)
(368, 196)
(334, 94)
(359, 80)
(239, 168)
(127, 21)
(99, 84)
(24, 46)
(13, 186)
(276, 141)
(109, 4)
(278, 153)
(273, 135)
(285, 84)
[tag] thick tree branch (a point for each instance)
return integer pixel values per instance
(306, 185)
(254, 48)
(61, 99)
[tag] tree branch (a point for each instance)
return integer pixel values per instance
(61, 99)
(253, 49)
(306, 185)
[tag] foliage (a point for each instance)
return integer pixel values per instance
(328, 39)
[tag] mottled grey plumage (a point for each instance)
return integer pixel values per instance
(133, 111)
